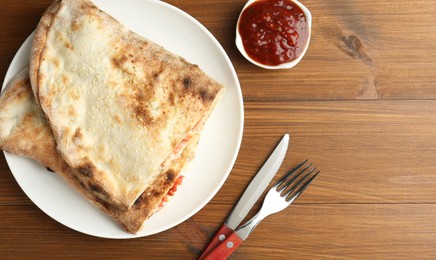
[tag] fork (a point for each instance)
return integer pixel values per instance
(281, 195)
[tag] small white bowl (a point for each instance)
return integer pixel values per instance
(287, 65)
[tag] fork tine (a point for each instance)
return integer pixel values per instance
(302, 188)
(282, 187)
(299, 182)
(283, 179)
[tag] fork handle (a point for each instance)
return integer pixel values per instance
(219, 236)
(225, 248)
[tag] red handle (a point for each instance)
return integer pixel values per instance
(220, 236)
(225, 248)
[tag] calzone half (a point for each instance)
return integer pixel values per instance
(121, 107)
(25, 131)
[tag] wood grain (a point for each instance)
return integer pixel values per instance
(361, 105)
(302, 232)
(344, 231)
(357, 51)
(368, 152)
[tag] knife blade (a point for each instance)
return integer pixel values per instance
(251, 194)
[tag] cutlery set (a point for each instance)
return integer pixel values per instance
(285, 191)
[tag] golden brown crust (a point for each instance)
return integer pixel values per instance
(16, 93)
(39, 40)
(30, 135)
(123, 90)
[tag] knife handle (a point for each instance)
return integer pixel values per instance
(225, 248)
(219, 236)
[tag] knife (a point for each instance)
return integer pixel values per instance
(251, 195)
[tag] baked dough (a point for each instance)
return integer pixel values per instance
(121, 107)
(25, 131)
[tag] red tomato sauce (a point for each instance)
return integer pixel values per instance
(273, 31)
(172, 191)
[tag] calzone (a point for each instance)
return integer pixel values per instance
(121, 108)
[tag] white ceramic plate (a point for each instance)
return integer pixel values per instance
(219, 144)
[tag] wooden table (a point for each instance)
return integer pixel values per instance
(361, 104)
